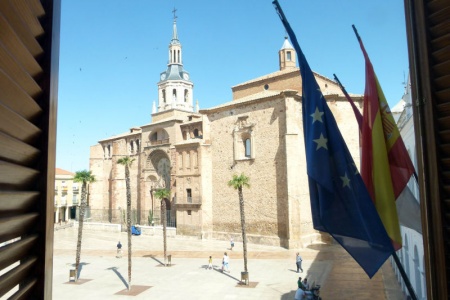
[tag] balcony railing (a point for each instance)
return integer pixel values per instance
(159, 142)
(188, 200)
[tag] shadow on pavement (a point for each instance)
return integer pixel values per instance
(114, 269)
(220, 271)
(155, 259)
(288, 296)
(206, 267)
(80, 267)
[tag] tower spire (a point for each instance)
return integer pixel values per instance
(174, 34)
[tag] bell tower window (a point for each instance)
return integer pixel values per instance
(288, 55)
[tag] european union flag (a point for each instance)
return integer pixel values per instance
(340, 202)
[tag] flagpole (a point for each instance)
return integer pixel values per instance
(404, 276)
(394, 254)
(358, 114)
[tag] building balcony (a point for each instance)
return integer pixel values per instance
(188, 202)
(159, 142)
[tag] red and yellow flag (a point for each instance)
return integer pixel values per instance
(385, 166)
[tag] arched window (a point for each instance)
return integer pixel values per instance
(196, 132)
(288, 55)
(186, 93)
(406, 248)
(154, 136)
(248, 148)
(179, 60)
(164, 95)
(417, 274)
(131, 147)
(137, 146)
(174, 95)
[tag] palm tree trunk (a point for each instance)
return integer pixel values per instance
(164, 223)
(244, 234)
(127, 182)
(80, 228)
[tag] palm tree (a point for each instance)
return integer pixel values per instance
(127, 161)
(84, 177)
(237, 183)
(163, 194)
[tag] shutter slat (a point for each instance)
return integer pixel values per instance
(442, 82)
(16, 275)
(27, 15)
(16, 126)
(16, 226)
(36, 8)
(442, 68)
(444, 135)
(436, 5)
(440, 29)
(13, 252)
(440, 41)
(15, 175)
(17, 73)
(442, 95)
(15, 46)
(440, 14)
(17, 201)
(16, 98)
(15, 151)
(24, 291)
(20, 28)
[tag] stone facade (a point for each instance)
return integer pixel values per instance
(195, 154)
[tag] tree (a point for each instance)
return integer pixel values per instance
(127, 161)
(84, 177)
(163, 194)
(238, 182)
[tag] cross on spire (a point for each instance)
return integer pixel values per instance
(174, 13)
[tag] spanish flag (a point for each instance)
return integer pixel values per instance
(385, 166)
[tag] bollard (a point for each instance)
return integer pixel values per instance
(244, 278)
(72, 275)
(169, 260)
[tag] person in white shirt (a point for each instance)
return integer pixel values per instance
(225, 263)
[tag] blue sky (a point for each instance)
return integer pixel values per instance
(112, 53)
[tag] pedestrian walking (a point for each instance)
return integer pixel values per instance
(119, 250)
(225, 263)
(298, 262)
(210, 263)
(231, 244)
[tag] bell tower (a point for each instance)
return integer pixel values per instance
(175, 89)
(287, 56)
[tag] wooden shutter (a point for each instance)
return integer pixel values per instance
(29, 48)
(428, 30)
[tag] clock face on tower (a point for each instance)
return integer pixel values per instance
(186, 76)
(163, 76)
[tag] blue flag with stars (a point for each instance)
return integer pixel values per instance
(340, 202)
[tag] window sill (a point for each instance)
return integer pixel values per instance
(244, 159)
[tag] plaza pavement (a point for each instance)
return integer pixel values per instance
(272, 270)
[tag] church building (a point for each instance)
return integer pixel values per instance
(195, 152)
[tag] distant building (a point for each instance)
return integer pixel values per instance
(194, 153)
(67, 195)
(412, 253)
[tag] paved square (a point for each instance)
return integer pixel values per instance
(272, 268)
